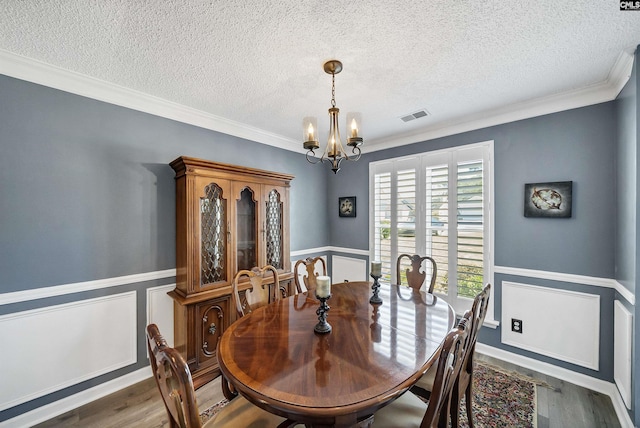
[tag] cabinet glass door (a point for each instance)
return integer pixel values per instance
(246, 230)
(274, 229)
(213, 235)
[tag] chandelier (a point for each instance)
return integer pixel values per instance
(334, 152)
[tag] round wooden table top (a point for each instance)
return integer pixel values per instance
(374, 353)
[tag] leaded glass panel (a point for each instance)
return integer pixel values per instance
(274, 230)
(213, 223)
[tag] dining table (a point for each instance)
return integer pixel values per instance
(373, 354)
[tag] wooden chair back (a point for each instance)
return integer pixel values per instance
(310, 264)
(415, 275)
(450, 362)
(463, 386)
(260, 293)
(174, 381)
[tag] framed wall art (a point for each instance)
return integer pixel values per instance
(552, 200)
(347, 206)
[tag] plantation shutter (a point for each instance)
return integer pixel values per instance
(436, 204)
(406, 226)
(437, 220)
(382, 222)
(470, 227)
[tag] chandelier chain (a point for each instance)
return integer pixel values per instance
(333, 89)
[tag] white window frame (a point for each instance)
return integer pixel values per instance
(420, 162)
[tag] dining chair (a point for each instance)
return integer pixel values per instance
(464, 384)
(416, 277)
(173, 378)
(259, 294)
(409, 410)
(310, 264)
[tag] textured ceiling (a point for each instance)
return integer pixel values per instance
(259, 62)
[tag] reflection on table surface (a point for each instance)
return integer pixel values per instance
(374, 353)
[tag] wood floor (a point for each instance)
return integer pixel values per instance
(560, 405)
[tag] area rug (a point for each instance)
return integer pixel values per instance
(211, 411)
(501, 399)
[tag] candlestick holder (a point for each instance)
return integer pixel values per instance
(375, 299)
(323, 326)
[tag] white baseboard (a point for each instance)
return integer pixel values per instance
(598, 385)
(59, 407)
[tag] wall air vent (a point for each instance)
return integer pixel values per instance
(415, 115)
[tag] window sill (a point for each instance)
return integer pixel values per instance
(491, 323)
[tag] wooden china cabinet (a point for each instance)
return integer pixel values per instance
(228, 218)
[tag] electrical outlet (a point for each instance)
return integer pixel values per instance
(516, 325)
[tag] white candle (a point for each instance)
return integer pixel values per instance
(354, 128)
(311, 136)
(323, 286)
(376, 268)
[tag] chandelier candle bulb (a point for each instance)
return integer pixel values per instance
(323, 286)
(310, 131)
(376, 268)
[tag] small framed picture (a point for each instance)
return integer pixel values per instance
(347, 206)
(551, 200)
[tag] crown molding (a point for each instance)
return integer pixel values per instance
(598, 93)
(34, 71)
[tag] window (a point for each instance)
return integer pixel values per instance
(437, 204)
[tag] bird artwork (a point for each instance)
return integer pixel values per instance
(553, 199)
(546, 199)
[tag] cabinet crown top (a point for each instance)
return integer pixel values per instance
(181, 164)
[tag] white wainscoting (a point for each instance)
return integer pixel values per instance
(348, 269)
(557, 323)
(58, 346)
(160, 310)
(622, 345)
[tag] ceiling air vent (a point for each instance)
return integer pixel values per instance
(415, 115)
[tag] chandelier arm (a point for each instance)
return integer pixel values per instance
(356, 151)
(313, 154)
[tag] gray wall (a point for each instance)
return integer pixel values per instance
(573, 145)
(87, 191)
(626, 183)
(627, 186)
(577, 145)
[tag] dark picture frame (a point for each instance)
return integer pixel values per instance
(347, 206)
(550, 200)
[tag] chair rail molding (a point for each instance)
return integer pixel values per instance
(77, 287)
(569, 277)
